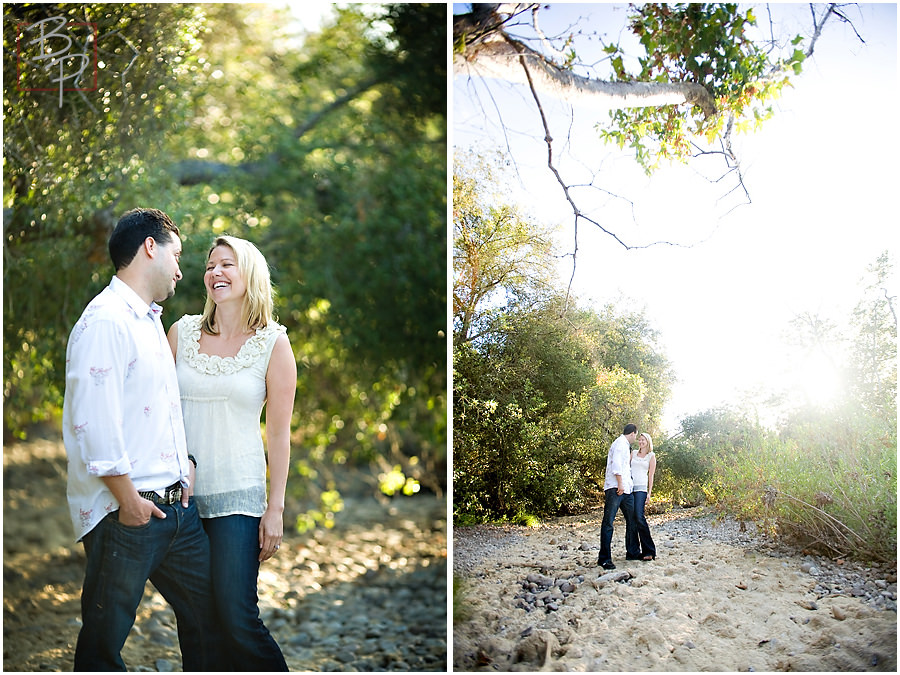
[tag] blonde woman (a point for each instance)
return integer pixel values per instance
(231, 361)
(643, 467)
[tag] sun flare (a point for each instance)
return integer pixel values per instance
(819, 380)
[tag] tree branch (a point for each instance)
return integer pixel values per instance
(483, 48)
(495, 55)
(196, 171)
(548, 139)
(339, 102)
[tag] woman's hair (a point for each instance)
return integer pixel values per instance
(256, 312)
(649, 440)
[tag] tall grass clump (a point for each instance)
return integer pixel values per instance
(828, 485)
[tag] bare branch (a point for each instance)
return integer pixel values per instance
(844, 18)
(548, 139)
(817, 26)
(502, 126)
(544, 41)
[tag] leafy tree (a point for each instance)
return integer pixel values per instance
(508, 394)
(535, 411)
(874, 351)
(369, 256)
(140, 72)
(629, 346)
(499, 256)
(687, 461)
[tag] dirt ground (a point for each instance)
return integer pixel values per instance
(382, 566)
(715, 599)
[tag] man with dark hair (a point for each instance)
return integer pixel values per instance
(618, 488)
(133, 228)
(130, 477)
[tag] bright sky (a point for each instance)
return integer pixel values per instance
(310, 13)
(823, 180)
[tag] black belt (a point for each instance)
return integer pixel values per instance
(172, 495)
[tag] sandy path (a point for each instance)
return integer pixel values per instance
(703, 605)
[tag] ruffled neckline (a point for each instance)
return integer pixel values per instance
(211, 364)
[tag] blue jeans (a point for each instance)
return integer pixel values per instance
(611, 507)
(234, 542)
(173, 553)
(643, 528)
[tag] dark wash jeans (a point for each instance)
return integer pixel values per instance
(611, 507)
(173, 553)
(643, 528)
(234, 542)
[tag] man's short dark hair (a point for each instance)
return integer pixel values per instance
(629, 429)
(133, 228)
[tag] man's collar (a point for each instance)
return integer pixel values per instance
(132, 299)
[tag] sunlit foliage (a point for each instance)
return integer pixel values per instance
(707, 44)
(500, 256)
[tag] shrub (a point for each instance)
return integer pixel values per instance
(682, 473)
(462, 610)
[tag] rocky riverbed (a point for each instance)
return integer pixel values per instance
(720, 596)
(368, 595)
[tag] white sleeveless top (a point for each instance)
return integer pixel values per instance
(222, 400)
(640, 470)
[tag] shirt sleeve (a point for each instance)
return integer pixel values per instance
(620, 460)
(95, 376)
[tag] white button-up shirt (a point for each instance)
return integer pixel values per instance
(617, 463)
(122, 410)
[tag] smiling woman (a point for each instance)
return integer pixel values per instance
(232, 362)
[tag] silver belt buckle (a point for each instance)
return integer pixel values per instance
(172, 495)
